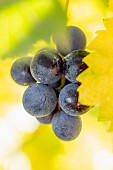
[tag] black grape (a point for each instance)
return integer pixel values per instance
(66, 127)
(20, 71)
(46, 66)
(73, 65)
(46, 119)
(68, 100)
(39, 100)
(70, 39)
(56, 84)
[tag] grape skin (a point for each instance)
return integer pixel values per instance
(68, 100)
(20, 71)
(56, 84)
(39, 100)
(72, 38)
(47, 119)
(66, 127)
(73, 65)
(46, 66)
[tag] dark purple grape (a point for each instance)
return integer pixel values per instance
(56, 84)
(68, 100)
(20, 71)
(46, 66)
(39, 100)
(73, 65)
(46, 119)
(66, 127)
(72, 38)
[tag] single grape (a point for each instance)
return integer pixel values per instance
(68, 100)
(20, 71)
(73, 65)
(72, 38)
(46, 119)
(39, 100)
(66, 127)
(56, 84)
(46, 66)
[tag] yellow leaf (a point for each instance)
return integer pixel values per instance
(111, 4)
(103, 42)
(106, 111)
(97, 80)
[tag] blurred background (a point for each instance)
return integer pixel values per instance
(25, 27)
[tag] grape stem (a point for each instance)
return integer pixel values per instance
(66, 6)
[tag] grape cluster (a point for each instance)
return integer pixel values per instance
(52, 95)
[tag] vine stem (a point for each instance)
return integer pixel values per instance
(66, 6)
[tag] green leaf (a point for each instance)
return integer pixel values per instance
(24, 23)
(7, 3)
